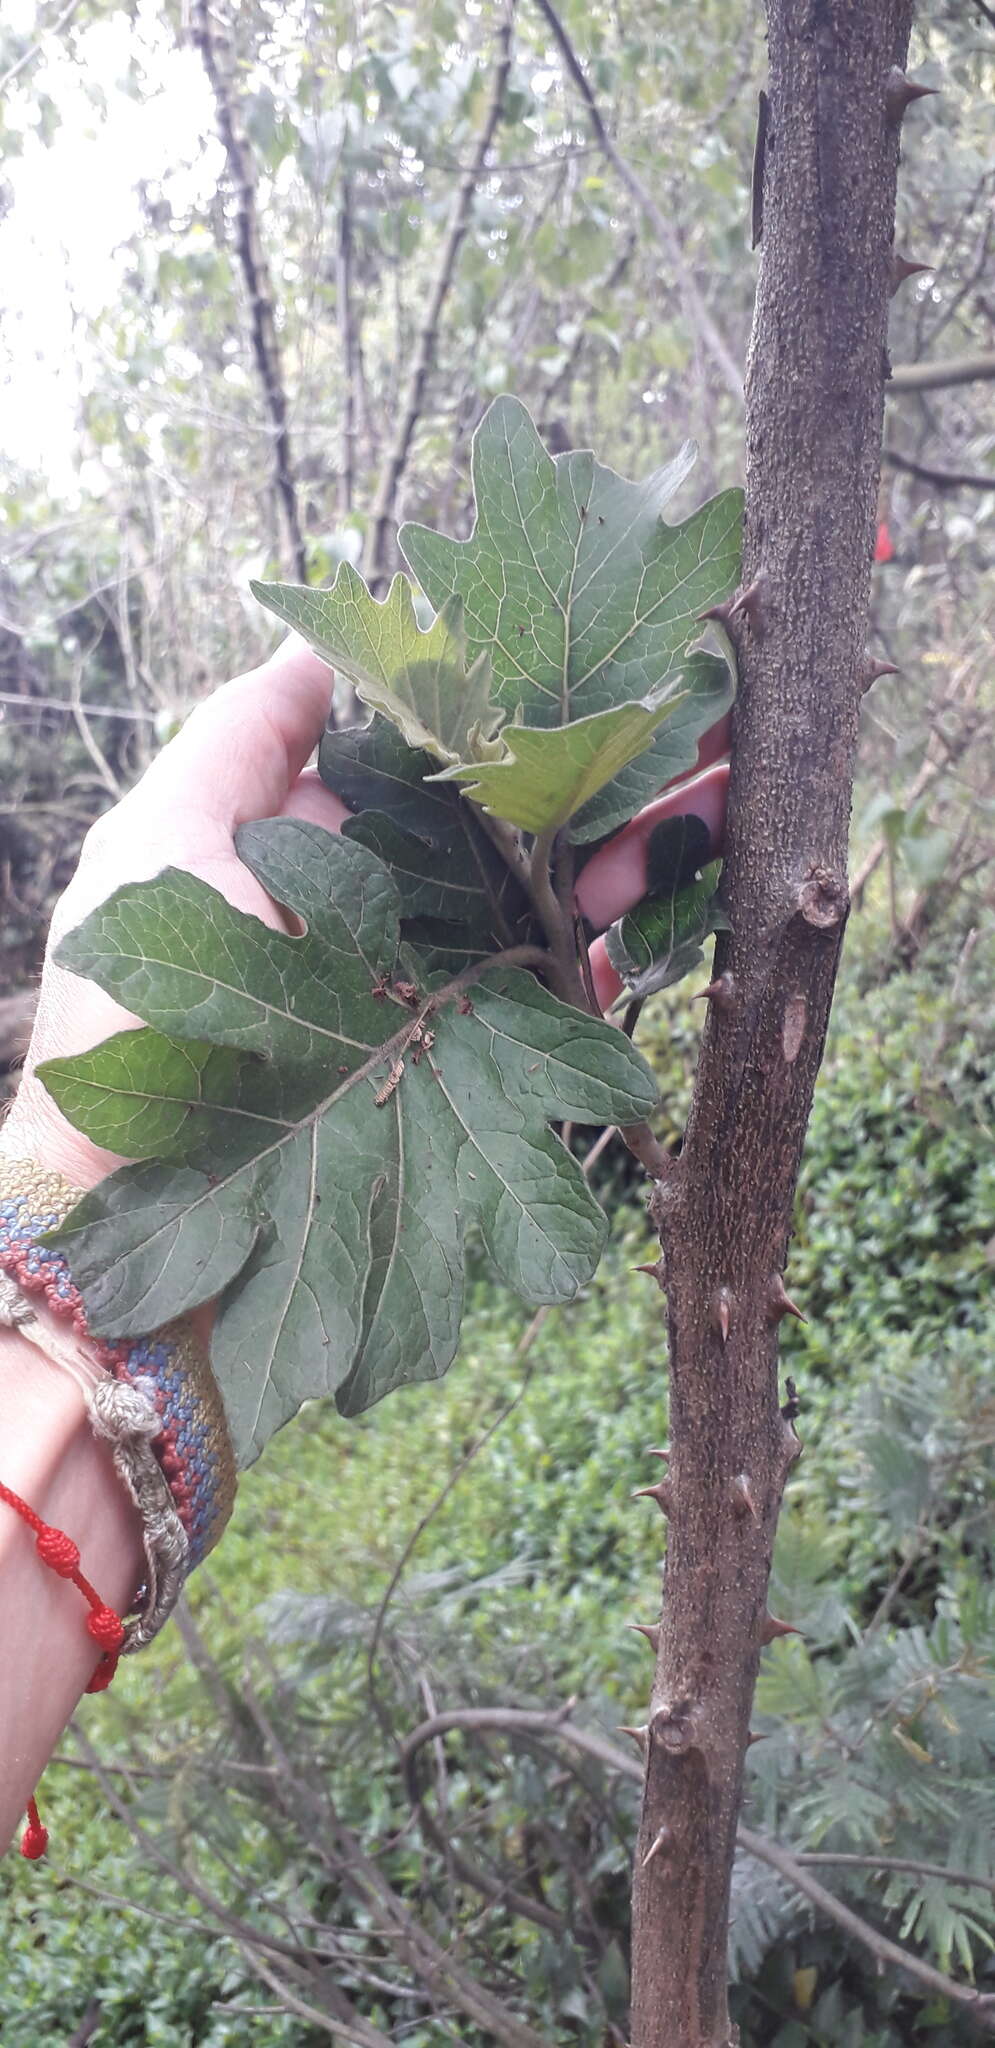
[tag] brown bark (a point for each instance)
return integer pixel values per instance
(815, 397)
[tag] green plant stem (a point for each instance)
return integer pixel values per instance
(556, 923)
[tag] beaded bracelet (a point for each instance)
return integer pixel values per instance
(155, 1398)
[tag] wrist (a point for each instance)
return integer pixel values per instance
(152, 1397)
(35, 1129)
(51, 1458)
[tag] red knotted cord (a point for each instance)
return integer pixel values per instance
(61, 1555)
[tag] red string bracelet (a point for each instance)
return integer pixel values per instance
(61, 1555)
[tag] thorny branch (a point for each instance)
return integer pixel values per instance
(557, 1724)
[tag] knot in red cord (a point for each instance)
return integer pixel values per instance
(104, 1673)
(105, 1628)
(34, 1840)
(58, 1551)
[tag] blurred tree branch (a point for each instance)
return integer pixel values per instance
(423, 360)
(701, 317)
(256, 279)
(973, 369)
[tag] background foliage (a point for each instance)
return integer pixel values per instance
(128, 546)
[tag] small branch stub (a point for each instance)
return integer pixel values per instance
(823, 899)
(673, 1727)
(791, 1407)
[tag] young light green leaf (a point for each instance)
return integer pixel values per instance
(547, 773)
(421, 681)
(579, 591)
(321, 1133)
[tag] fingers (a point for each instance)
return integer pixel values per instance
(241, 750)
(607, 985)
(615, 879)
(309, 799)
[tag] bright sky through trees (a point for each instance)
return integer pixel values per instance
(71, 204)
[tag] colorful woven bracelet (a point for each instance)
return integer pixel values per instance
(156, 1402)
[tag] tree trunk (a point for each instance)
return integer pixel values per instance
(815, 396)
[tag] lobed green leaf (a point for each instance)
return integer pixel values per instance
(318, 1135)
(419, 679)
(581, 595)
(544, 774)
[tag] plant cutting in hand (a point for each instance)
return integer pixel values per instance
(316, 1116)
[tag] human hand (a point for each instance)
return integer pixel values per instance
(239, 757)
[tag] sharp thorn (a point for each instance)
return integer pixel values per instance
(722, 613)
(750, 603)
(721, 992)
(661, 1493)
(900, 92)
(781, 1303)
(742, 1493)
(752, 1738)
(656, 1270)
(772, 1628)
(649, 1629)
(655, 1451)
(640, 1736)
(871, 671)
(902, 270)
(723, 1313)
(661, 1840)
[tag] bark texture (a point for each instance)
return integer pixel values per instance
(815, 398)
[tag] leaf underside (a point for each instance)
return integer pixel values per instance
(419, 679)
(541, 775)
(311, 1141)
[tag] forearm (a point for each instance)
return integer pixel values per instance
(50, 1456)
